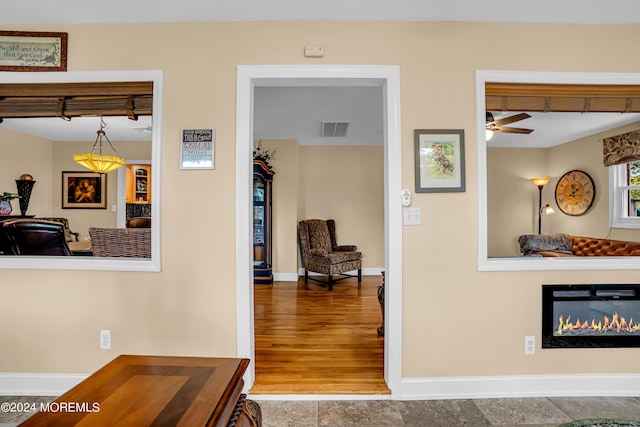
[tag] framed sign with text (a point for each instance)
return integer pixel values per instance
(196, 148)
(33, 51)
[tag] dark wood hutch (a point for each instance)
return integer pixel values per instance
(262, 223)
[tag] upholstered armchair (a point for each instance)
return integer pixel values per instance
(139, 222)
(321, 254)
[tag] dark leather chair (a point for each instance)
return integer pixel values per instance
(320, 252)
(139, 222)
(5, 244)
(71, 236)
(36, 237)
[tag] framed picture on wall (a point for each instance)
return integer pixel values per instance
(84, 190)
(439, 160)
(33, 51)
(196, 148)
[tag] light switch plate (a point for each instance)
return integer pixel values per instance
(412, 216)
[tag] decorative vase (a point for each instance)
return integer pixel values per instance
(5, 207)
(24, 190)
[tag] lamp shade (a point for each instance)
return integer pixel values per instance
(621, 148)
(99, 163)
(540, 182)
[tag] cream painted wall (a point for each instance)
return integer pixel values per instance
(35, 154)
(189, 307)
(343, 183)
(46, 160)
(81, 219)
(586, 154)
(513, 198)
(346, 184)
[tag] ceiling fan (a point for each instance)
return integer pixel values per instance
(498, 125)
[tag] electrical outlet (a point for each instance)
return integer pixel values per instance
(314, 51)
(529, 345)
(105, 339)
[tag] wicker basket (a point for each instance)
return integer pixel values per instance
(121, 242)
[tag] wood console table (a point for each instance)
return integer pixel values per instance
(157, 391)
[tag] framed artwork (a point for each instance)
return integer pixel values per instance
(84, 190)
(33, 51)
(439, 158)
(196, 148)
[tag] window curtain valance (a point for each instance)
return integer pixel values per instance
(621, 148)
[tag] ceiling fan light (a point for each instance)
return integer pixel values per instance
(489, 134)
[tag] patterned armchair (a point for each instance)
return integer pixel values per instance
(320, 252)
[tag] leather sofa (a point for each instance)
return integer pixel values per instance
(580, 246)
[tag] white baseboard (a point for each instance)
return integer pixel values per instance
(25, 384)
(519, 386)
(285, 277)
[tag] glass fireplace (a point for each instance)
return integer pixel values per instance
(587, 316)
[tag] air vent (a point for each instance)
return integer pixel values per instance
(335, 129)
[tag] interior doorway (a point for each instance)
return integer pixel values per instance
(386, 77)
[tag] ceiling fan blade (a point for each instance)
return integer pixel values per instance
(511, 119)
(511, 130)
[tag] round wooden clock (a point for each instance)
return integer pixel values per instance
(575, 192)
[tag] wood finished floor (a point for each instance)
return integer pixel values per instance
(312, 341)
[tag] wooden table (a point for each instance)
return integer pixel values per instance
(82, 248)
(157, 391)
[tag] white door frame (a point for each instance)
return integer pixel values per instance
(388, 78)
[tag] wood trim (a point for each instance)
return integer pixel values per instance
(562, 98)
(75, 89)
(67, 100)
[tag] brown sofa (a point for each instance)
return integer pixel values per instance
(579, 246)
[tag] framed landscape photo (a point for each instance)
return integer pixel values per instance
(439, 160)
(33, 51)
(84, 190)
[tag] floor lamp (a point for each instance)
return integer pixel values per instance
(540, 182)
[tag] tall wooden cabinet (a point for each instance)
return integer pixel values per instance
(262, 223)
(139, 184)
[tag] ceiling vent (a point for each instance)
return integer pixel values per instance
(335, 129)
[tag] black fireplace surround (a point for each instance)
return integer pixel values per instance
(590, 316)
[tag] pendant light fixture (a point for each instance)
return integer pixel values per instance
(98, 162)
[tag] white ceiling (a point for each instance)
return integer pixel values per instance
(297, 112)
(83, 128)
(550, 129)
(114, 11)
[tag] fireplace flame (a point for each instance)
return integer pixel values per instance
(617, 323)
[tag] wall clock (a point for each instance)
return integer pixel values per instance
(575, 192)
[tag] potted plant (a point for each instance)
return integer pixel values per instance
(5, 202)
(265, 155)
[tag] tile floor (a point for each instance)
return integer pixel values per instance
(515, 412)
